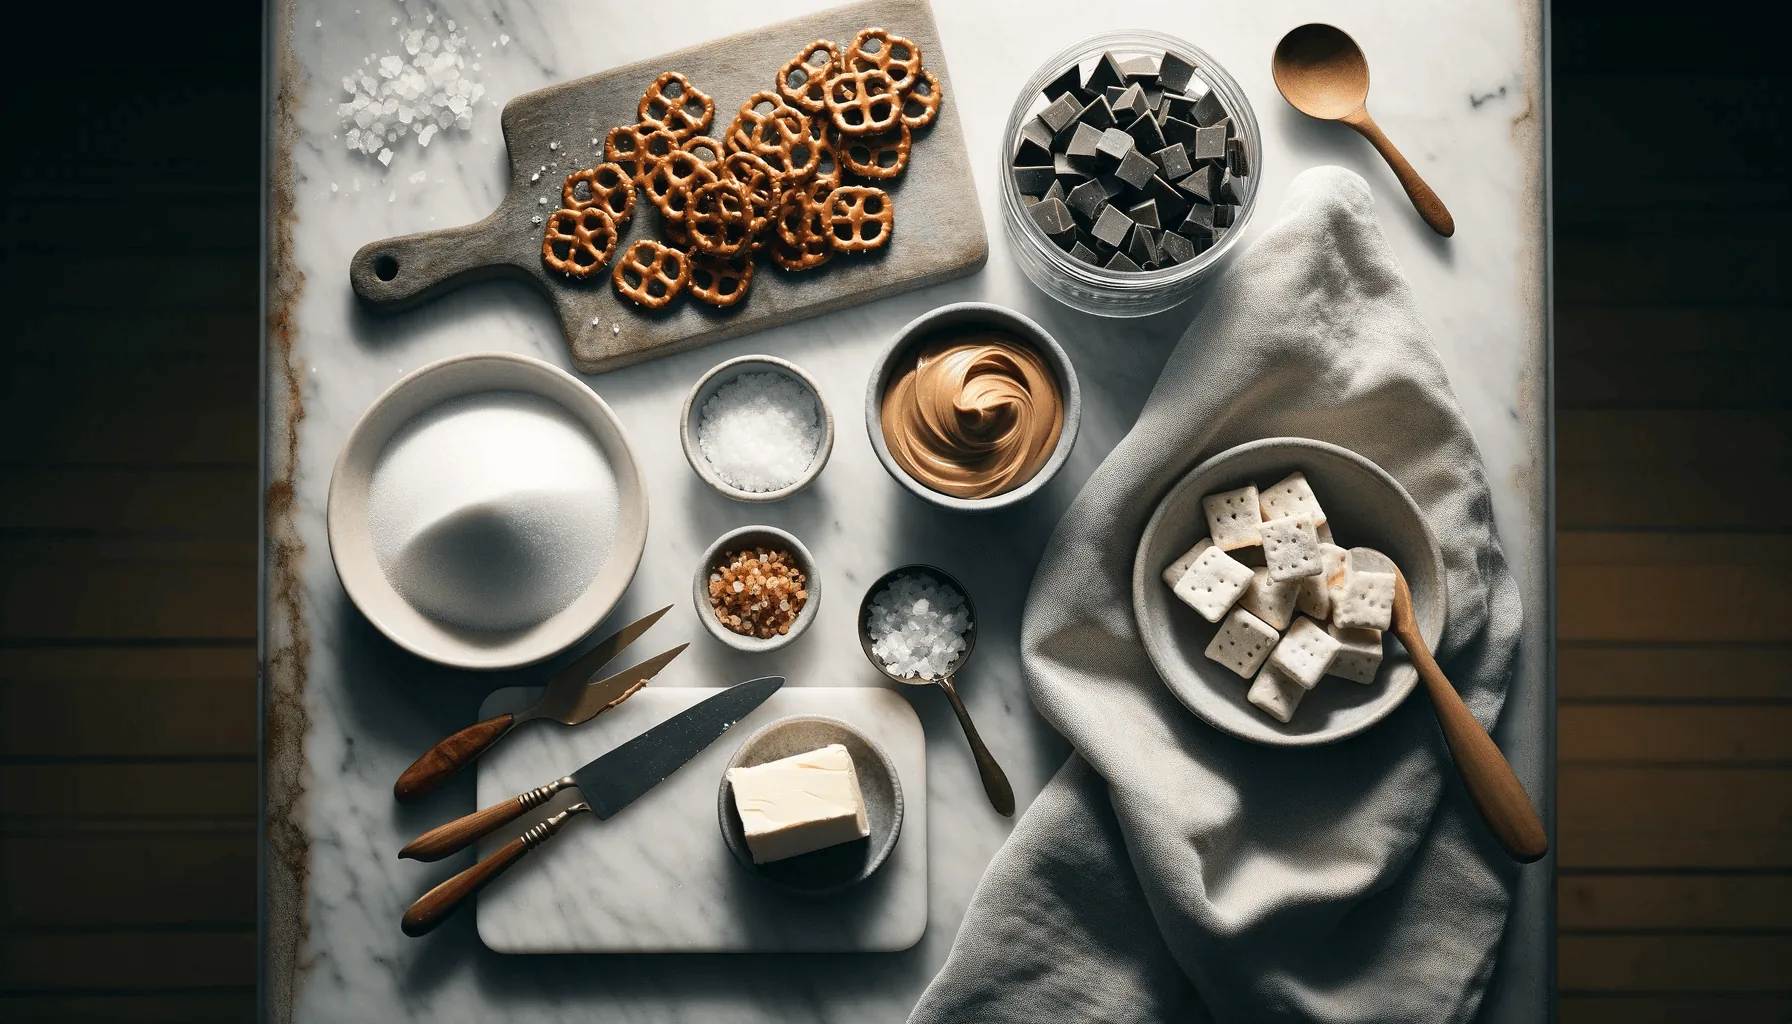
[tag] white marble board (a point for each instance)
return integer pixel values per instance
(656, 878)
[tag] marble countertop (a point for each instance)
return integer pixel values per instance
(1459, 87)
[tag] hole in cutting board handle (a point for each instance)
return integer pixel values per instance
(385, 266)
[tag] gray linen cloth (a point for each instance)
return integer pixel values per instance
(1170, 872)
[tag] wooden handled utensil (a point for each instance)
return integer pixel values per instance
(571, 698)
(1322, 73)
(1486, 773)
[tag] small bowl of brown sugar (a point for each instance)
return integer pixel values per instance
(756, 588)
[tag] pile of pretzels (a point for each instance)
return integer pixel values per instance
(775, 184)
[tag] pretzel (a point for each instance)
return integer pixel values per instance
(708, 151)
(800, 239)
(607, 187)
(803, 83)
(878, 157)
(763, 186)
(578, 243)
(651, 274)
(860, 218)
(719, 281)
(893, 55)
(863, 102)
(674, 104)
(921, 104)
(826, 142)
(720, 218)
(677, 169)
(637, 147)
(768, 134)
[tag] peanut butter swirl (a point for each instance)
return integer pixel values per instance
(977, 415)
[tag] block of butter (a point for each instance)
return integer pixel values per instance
(799, 804)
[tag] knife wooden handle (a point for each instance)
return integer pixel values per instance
(461, 833)
(435, 905)
(441, 761)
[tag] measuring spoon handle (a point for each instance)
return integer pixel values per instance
(995, 781)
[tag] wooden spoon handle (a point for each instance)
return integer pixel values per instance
(1430, 207)
(439, 763)
(457, 835)
(995, 781)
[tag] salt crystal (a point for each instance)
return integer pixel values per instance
(760, 431)
(503, 40)
(541, 201)
(333, 186)
(537, 220)
(428, 132)
(553, 145)
(419, 177)
(615, 329)
(535, 177)
(386, 157)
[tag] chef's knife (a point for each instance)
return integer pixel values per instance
(608, 784)
(571, 698)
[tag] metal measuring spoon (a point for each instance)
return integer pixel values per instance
(995, 782)
(1322, 73)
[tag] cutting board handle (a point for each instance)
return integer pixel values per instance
(397, 273)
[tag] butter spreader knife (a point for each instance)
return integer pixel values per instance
(572, 697)
(608, 784)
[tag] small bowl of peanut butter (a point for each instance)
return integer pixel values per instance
(973, 407)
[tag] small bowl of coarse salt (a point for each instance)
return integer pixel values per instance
(756, 429)
(756, 589)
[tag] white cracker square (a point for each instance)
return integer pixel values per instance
(1370, 560)
(1290, 547)
(1212, 584)
(1233, 518)
(1336, 564)
(1325, 533)
(1368, 600)
(1242, 643)
(1359, 654)
(1275, 694)
(1305, 653)
(1173, 572)
(1291, 497)
(1312, 597)
(1269, 600)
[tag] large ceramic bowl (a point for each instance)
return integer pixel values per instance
(1365, 507)
(351, 541)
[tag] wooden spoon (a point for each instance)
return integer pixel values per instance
(1486, 774)
(1322, 73)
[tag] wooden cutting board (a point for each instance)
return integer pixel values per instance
(656, 878)
(938, 234)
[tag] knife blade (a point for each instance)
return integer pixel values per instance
(609, 783)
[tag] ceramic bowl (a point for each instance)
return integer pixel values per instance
(836, 867)
(958, 316)
(1365, 507)
(351, 542)
(748, 537)
(713, 381)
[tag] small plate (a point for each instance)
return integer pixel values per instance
(836, 867)
(755, 537)
(1366, 508)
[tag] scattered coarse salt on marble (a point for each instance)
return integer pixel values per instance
(761, 431)
(917, 627)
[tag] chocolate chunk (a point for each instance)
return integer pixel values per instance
(1209, 110)
(1070, 81)
(1110, 184)
(1053, 217)
(1172, 162)
(1210, 144)
(1198, 222)
(1070, 171)
(1173, 248)
(1144, 213)
(1030, 153)
(1154, 97)
(1115, 146)
(1143, 248)
(1061, 112)
(1118, 261)
(1131, 104)
(1055, 192)
(1097, 114)
(1178, 130)
(1172, 204)
(1224, 215)
(1135, 169)
(1174, 72)
(1082, 149)
(1142, 66)
(1237, 163)
(1203, 183)
(1106, 72)
(1231, 189)
(1079, 251)
(1113, 93)
(1034, 181)
(1093, 244)
(1087, 199)
(1027, 200)
(1111, 227)
(1038, 133)
(1146, 135)
(1176, 105)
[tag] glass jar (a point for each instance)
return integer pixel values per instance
(1096, 289)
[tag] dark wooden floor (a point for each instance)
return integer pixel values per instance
(128, 499)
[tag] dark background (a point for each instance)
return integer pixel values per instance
(128, 415)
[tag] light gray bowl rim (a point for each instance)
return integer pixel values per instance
(347, 534)
(1431, 609)
(687, 425)
(971, 313)
(878, 856)
(706, 612)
